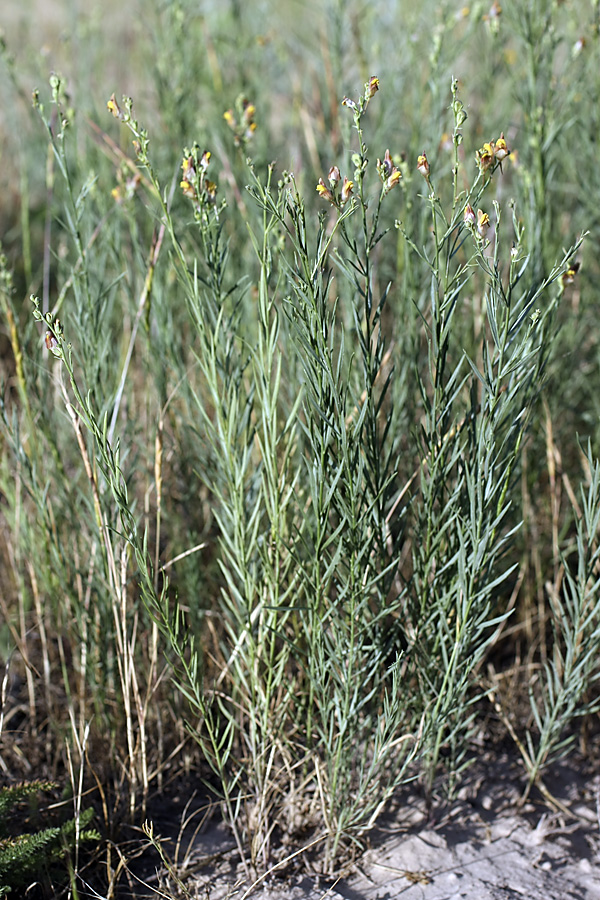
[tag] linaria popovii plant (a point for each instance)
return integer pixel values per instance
(316, 411)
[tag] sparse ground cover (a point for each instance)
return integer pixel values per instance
(299, 472)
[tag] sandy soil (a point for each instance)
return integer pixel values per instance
(480, 848)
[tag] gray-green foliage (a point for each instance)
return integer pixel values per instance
(566, 688)
(312, 413)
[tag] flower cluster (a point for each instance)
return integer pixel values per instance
(140, 135)
(371, 88)
(388, 172)
(491, 154)
(241, 121)
(194, 183)
(493, 17)
(331, 193)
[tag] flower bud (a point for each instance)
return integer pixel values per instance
(386, 167)
(51, 342)
(334, 176)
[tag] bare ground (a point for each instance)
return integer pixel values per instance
(481, 847)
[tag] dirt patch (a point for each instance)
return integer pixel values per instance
(482, 847)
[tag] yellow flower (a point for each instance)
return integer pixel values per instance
(114, 108)
(393, 179)
(423, 165)
(501, 150)
(211, 191)
(483, 223)
(346, 190)
(188, 188)
(324, 192)
(388, 172)
(485, 156)
(188, 168)
(569, 276)
(371, 87)
(249, 111)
